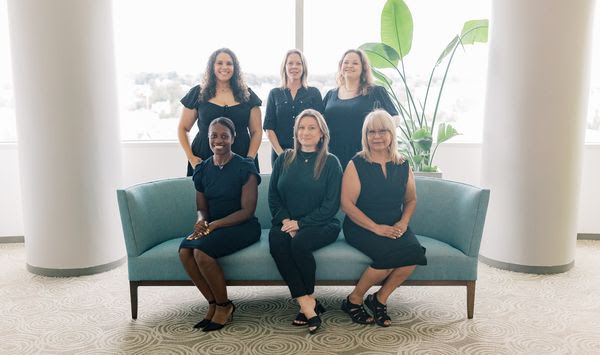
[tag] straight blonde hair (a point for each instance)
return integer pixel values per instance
(303, 78)
(380, 120)
(322, 146)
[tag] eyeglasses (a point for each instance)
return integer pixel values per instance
(378, 132)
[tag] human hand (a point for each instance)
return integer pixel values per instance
(201, 228)
(401, 226)
(289, 225)
(195, 161)
(391, 232)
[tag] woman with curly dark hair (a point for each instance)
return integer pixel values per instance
(222, 93)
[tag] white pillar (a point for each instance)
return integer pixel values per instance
(68, 134)
(537, 92)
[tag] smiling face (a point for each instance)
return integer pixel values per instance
(379, 139)
(293, 67)
(223, 67)
(308, 133)
(351, 67)
(220, 139)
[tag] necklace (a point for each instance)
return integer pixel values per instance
(222, 165)
(305, 156)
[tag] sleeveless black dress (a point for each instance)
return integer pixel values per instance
(382, 199)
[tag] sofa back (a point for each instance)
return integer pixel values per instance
(450, 212)
(156, 211)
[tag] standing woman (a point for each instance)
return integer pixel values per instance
(379, 198)
(304, 197)
(286, 102)
(227, 188)
(223, 93)
(347, 105)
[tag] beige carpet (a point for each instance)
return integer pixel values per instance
(514, 314)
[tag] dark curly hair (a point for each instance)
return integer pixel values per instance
(209, 82)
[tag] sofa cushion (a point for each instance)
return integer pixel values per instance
(335, 262)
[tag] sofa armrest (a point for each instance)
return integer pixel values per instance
(451, 212)
(154, 212)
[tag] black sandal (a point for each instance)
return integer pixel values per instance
(301, 320)
(211, 326)
(357, 312)
(379, 310)
(203, 323)
(314, 324)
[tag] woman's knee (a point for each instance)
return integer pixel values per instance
(203, 259)
(185, 254)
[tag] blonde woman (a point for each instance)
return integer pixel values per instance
(346, 106)
(304, 194)
(379, 198)
(287, 101)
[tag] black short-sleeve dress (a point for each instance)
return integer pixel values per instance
(282, 110)
(222, 189)
(382, 199)
(345, 119)
(207, 111)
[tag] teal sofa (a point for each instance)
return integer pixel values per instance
(156, 216)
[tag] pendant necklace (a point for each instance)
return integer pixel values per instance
(222, 165)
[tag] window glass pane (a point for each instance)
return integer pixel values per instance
(162, 47)
(435, 24)
(592, 133)
(8, 123)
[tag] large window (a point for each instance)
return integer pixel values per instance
(338, 25)
(162, 48)
(8, 124)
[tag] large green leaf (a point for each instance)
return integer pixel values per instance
(382, 78)
(475, 31)
(397, 26)
(422, 137)
(381, 55)
(445, 132)
(448, 49)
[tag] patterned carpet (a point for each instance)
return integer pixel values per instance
(514, 314)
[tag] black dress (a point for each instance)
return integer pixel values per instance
(345, 119)
(282, 110)
(207, 111)
(381, 199)
(222, 189)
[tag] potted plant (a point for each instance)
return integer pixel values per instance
(417, 120)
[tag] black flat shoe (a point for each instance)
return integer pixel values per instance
(379, 310)
(301, 320)
(211, 326)
(357, 312)
(314, 324)
(203, 323)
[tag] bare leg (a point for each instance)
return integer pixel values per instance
(189, 263)
(396, 278)
(213, 274)
(369, 278)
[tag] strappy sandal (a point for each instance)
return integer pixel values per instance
(301, 320)
(357, 312)
(203, 323)
(314, 324)
(379, 310)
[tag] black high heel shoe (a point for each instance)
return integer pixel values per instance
(216, 326)
(301, 320)
(203, 323)
(379, 310)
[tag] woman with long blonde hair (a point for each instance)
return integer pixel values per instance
(304, 196)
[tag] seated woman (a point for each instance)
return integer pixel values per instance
(227, 189)
(304, 195)
(379, 197)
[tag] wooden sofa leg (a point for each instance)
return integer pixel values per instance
(470, 298)
(133, 293)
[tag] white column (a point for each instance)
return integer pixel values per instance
(68, 134)
(537, 92)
